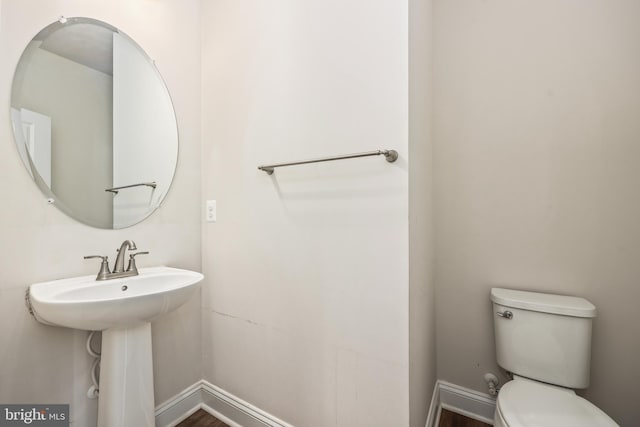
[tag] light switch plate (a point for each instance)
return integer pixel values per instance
(210, 213)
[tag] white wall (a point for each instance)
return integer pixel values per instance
(536, 143)
(305, 313)
(422, 327)
(43, 364)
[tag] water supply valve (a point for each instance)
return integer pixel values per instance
(492, 382)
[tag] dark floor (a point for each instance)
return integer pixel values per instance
(201, 418)
(451, 419)
(447, 419)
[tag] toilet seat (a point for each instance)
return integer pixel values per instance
(526, 403)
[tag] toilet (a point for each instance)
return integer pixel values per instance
(544, 340)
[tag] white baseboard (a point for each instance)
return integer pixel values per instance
(470, 403)
(223, 405)
(179, 407)
(238, 413)
(434, 408)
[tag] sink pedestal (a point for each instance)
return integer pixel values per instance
(126, 378)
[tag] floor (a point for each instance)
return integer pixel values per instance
(447, 419)
(201, 418)
(451, 419)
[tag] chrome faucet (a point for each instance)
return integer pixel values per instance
(118, 268)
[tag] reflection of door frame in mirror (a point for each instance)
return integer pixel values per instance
(36, 142)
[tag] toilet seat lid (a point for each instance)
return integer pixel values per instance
(525, 403)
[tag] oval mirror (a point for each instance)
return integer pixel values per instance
(94, 123)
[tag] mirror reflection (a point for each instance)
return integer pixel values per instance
(93, 123)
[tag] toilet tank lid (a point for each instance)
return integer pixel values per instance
(544, 303)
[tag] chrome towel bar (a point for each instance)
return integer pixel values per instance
(390, 155)
(114, 190)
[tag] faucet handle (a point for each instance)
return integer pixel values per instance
(132, 261)
(104, 266)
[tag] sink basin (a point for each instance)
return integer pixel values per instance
(84, 303)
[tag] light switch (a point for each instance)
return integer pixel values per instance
(211, 211)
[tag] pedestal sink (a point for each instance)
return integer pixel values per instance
(123, 310)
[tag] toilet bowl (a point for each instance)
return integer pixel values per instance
(544, 340)
(526, 403)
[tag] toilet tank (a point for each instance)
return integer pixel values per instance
(546, 338)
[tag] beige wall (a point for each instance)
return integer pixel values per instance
(536, 130)
(422, 328)
(42, 364)
(306, 309)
